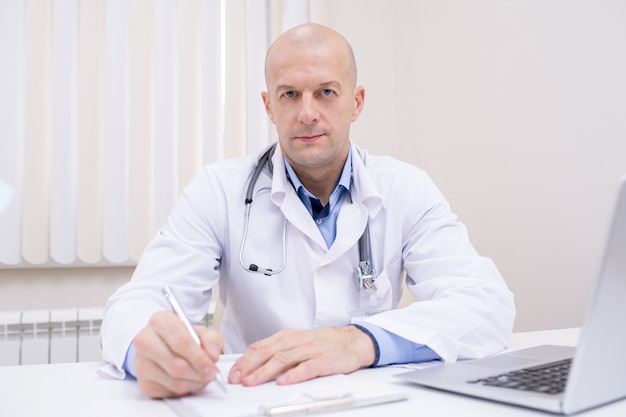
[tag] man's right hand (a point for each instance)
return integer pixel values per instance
(169, 363)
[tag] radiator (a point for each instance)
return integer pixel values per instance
(56, 336)
(50, 336)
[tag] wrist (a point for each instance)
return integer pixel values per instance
(366, 346)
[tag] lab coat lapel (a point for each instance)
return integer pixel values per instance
(350, 226)
(364, 189)
(354, 215)
(366, 203)
(298, 216)
(286, 198)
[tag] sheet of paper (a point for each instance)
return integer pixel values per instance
(243, 401)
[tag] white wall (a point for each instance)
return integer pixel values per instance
(516, 108)
(46, 288)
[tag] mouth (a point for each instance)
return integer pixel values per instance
(309, 138)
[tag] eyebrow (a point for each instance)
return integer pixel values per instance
(335, 84)
(287, 87)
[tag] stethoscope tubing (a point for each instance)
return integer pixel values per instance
(365, 264)
(253, 267)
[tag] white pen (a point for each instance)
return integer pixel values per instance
(169, 295)
(321, 405)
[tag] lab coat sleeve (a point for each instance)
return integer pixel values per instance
(185, 253)
(463, 308)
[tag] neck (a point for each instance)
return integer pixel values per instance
(320, 183)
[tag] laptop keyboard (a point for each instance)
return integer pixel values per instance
(548, 378)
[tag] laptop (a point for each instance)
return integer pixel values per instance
(588, 376)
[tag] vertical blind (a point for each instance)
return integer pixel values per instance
(109, 107)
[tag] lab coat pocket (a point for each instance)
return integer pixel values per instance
(374, 302)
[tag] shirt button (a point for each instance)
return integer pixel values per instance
(319, 221)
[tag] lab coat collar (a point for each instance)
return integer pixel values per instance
(366, 204)
(363, 188)
(285, 197)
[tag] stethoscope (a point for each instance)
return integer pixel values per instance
(364, 275)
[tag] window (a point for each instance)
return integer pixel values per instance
(109, 107)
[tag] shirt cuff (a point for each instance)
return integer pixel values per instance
(391, 348)
(129, 361)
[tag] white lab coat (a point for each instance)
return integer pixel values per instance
(463, 309)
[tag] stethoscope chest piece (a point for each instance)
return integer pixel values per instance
(364, 277)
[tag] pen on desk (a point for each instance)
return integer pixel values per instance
(321, 405)
(169, 295)
(310, 407)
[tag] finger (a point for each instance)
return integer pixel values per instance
(155, 390)
(267, 358)
(180, 342)
(275, 366)
(158, 383)
(212, 342)
(303, 372)
(299, 364)
(164, 367)
(255, 356)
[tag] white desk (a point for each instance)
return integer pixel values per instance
(70, 390)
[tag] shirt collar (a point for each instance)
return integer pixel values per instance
(345, 179)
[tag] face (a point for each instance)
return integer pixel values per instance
(312, 100)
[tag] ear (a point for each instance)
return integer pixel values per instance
(359, 101)
(268, 107)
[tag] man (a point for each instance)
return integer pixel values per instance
(307, 315)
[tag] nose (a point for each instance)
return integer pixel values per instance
(309, 112)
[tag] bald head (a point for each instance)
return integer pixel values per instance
(311, 38)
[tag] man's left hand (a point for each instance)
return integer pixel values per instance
(291, 356)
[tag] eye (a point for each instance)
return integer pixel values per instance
(327, 92)
(289, 94)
